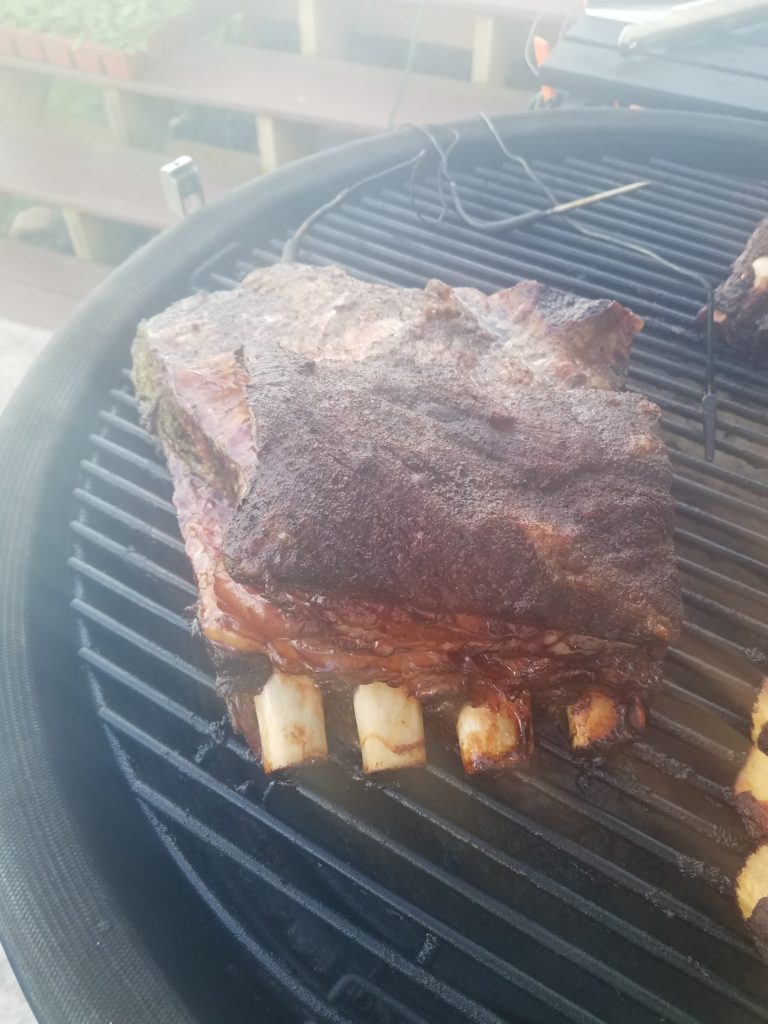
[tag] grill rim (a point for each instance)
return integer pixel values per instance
(45, 711)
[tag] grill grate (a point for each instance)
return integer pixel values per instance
(570, 891)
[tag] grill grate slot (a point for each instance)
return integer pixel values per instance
(569, 891)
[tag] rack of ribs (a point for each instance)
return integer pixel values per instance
(415, 499)
(741, 301)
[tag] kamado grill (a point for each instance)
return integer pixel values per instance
(152, 873)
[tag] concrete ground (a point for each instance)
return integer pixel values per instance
(19, 345)
(13, 1005)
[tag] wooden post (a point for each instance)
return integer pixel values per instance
(98, 240)
(494, 48)
(443, 26)
(282, 141)
(324, 27)
(255, 19)
(137, 120)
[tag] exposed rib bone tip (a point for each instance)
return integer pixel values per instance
(760, 270)
(495, 736)
(752, 882)
(599, 718)
(291, 721)
(751, 793)
(390, 727)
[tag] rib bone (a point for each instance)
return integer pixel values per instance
(752, 883)
(289, 711)
(752, 896)
(760, 270)
(751, 792)
(389, 726)
(498, 736)
(599, 718)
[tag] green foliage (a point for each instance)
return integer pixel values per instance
(70, 101)
(121, 24)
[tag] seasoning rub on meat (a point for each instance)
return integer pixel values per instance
(415, 498)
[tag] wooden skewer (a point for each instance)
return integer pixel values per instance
(390, 727)
(597, 197)
(291, 721)
(520, 220)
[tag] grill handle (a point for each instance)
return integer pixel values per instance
(691, 22)
(182, 186)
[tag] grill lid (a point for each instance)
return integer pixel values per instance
(575, 890)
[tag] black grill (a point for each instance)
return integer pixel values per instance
(580, 890)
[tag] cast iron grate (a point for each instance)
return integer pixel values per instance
(571, 891)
